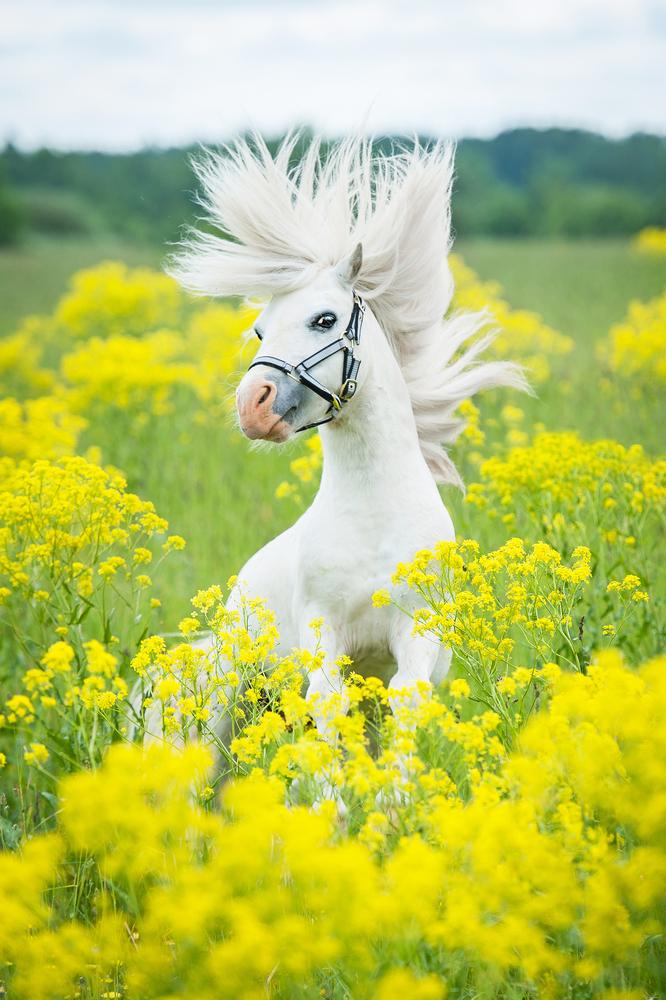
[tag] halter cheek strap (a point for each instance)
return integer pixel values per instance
(302, 372)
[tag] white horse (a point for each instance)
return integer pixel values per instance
(349, 251)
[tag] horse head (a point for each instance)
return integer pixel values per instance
(308, 365)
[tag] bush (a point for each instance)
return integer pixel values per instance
(11, 218)
(590, 211)
(58, 213)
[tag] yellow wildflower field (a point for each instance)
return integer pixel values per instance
(503, 836)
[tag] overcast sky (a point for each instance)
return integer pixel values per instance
(117, 74)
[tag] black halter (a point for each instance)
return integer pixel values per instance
(350, 365)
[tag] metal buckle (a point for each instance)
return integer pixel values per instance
(348, 389)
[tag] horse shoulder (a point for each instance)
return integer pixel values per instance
(270, 575)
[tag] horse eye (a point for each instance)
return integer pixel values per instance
(325, 321)
(258, 333)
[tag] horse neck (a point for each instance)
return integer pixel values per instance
(373, 446)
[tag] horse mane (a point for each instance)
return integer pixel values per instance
(282, 222)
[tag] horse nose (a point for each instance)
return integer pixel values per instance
(255, 407)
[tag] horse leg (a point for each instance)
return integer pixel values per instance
(327, 698)
(419, 661)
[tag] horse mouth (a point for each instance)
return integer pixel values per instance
(278, 432)
(271, 426)
(282, 429)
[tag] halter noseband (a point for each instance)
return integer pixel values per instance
(350, 365)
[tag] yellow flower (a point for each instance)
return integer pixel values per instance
(285, 490)
(37, 754)
(142, 555)
(507, 685)
(400, 984)
(38, 428)
(189, 625)
(381, 598)
(99, 661)
(166, 688)
(58, 657)
(651, 240)
(175, 542)
(636, 347)
(460, 688)
(20, 707)
(114, 299)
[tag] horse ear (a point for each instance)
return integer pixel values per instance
(348, 269)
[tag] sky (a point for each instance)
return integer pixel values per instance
(120, 74)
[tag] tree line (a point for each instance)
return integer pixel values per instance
(523, 182)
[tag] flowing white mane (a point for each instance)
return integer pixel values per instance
(282, 224)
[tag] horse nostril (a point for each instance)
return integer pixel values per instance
(265, 394)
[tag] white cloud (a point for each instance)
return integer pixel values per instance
(115, 74)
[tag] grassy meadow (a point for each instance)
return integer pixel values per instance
(499, 838)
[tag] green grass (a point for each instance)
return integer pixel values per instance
(579, 287)
(34, 275)
(215, 489)
(219, 493)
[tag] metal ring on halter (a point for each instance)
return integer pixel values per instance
(301, 372)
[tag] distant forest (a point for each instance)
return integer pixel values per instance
(555, 182)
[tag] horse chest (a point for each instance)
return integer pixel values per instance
(344, 601)
(344, 559)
